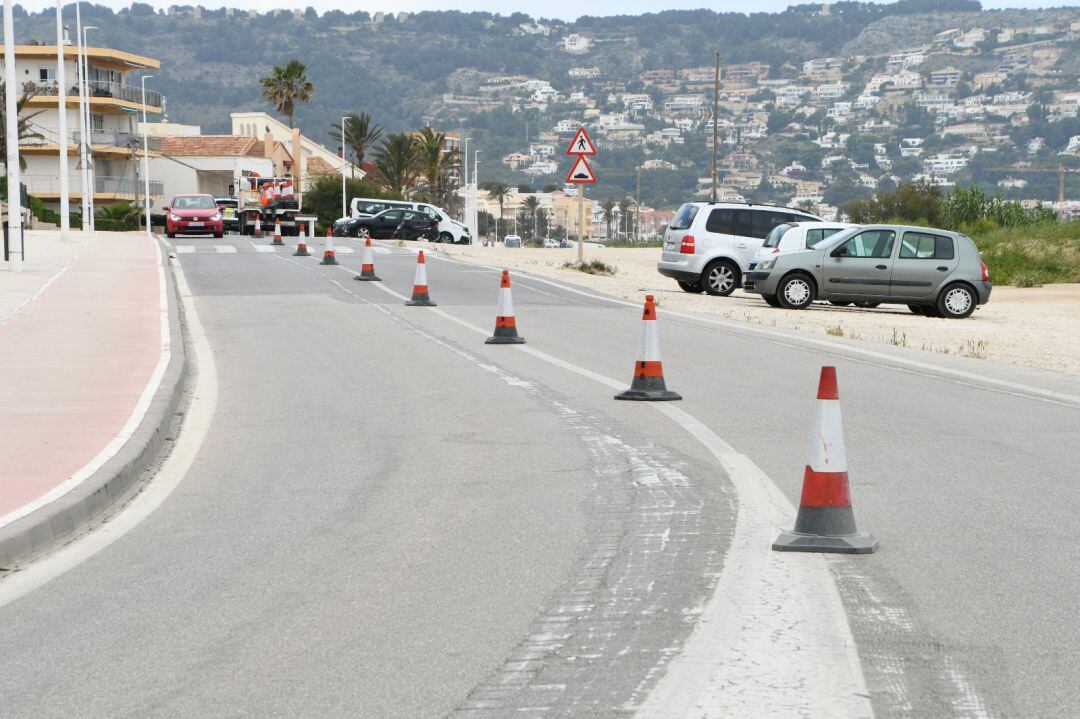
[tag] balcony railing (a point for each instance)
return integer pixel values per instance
(100, 88)
(125, 140)
(103, 185)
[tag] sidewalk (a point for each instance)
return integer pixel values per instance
(84, 343)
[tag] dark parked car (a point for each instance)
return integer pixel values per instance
(230, 218)
(389, 224)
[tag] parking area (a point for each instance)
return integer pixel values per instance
(1033, 327)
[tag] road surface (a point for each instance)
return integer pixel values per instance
(389, 518)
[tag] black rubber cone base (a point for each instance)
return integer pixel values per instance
(329, 261)
(277, 242)
(367, 278)
(515, 340)
(649, 395)
(420, 303)
(859, 543)
(300, 253)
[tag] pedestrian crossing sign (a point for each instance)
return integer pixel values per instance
(581, 144)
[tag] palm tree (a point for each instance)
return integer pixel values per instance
(624, 213)
(436, 164)
(287, 86)
(608, 208)
(498, 191)
(398, 163)
(360, 135)
(532, 206)
(25, 132)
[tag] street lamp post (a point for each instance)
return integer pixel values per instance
(88, 183)
(344, 162)
(14, 195)
(82, 114)
(146, 156)
(465, 211)
(475, 219)
(61, 97)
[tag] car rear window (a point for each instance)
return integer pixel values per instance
(773, 239)
(924, 246)
(684, 217)
(818, 234)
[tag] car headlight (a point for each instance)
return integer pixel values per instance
(216, 217)
(175, 218)
(766, 265)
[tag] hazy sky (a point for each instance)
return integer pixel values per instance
(564, 9)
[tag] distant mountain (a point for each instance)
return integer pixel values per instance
(439, 67)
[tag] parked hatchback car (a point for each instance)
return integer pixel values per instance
(389, 224)
(934, 272)
(709, 245)
(193, 215)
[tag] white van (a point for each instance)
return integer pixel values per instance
(450, 230)
(795, 237)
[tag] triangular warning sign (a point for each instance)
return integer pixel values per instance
(581, 144)
(581, 173)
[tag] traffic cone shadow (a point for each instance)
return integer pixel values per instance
(505, 323)
(826, 521)
(648, 383)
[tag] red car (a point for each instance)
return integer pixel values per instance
(194, 215)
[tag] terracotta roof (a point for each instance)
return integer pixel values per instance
(319, 166)
(211, 146)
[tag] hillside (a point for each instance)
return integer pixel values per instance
(507, 80)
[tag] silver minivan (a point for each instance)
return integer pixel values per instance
(936, 273)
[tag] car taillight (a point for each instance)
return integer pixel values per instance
(986, 272)
(776, 251)
(687, 247)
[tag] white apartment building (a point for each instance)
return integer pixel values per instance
(944, 164)
(583, 73)
(684, 105)
(637, 102)
(831, 91)
(258, 124)
(945, 77)
(576, 44)
(538, 149)
(907, 59)
(115, 104)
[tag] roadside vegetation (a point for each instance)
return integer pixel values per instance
(1022, 246)
(592, 267)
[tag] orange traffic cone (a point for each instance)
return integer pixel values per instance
(648, 383)
(420, 297)
(505, 324)
(258, 227)
(826, 522)
(328, 257)
(367, 269)
(301, 245)
(277, 233)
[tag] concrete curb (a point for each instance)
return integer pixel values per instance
(33, 534)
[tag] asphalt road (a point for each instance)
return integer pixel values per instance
(390, 518)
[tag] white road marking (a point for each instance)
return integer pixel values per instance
(47, 284)
(225, 249)
(197, 418)
(774, 639)
(264, 248)
(185, 249)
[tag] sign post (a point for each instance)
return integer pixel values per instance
(581, 174)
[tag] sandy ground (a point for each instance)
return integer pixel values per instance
(1034, 327)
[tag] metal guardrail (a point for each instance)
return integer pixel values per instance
(101, 88)
(103, 185)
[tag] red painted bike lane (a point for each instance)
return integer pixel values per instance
(78, 367)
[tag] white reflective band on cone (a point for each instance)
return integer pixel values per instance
(421, 275)
(649, 342)
(827, 452)
(506, 303)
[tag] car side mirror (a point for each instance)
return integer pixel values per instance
(839, 251)
(165, 208)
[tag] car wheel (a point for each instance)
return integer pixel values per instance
(795, 292)
(838, 303)
(771, 300)
(956, 301)
(720, 278)
(867, 304)
(363, 233)
(218, 235)
(446, 237)
(691, 287)
(170, 235)
(916, 309)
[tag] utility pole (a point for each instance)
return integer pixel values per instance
(61, 98)
(581, 225)
(146, 154)
(14, 183)
(715, 109)
(637, 209)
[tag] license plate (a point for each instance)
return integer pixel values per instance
(195, 224)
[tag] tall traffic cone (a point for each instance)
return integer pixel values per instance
(420, 296)
(505, 324)
(277, 233)
(301, 245)
(648, 384)
(328, 257)
(826, 522)
(367, 270)
(258, 227)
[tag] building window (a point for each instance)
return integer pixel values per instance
(47, 74)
